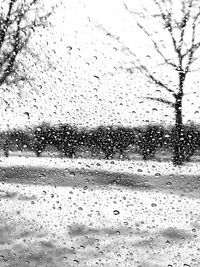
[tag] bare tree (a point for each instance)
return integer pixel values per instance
(180, 21)
(18, 21)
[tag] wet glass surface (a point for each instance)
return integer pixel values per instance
(99, 133)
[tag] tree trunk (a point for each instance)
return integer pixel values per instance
(178, 156)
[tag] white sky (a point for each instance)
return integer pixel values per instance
(69, 92)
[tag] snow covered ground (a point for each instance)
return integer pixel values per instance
(61, 212)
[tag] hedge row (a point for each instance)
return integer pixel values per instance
(107, 139)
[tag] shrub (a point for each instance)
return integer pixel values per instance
(41, 137)
(15, 139)
(101, 139)
(150, 139)
(123, 137)
(110, 139)
(67, 139)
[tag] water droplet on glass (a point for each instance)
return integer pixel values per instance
(116, 212)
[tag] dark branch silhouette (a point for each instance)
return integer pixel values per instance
(18, 20)
(160, 99)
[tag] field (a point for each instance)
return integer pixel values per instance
(81, 212)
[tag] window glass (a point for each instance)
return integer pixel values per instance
(99, 133)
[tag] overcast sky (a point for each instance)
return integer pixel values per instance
(86, 83)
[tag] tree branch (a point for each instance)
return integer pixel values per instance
(16, 25)
(184, 21)
(5, 24)
(167, 19)
(161, 100)
(157, 48)
(194, 46)
(149, 75)
(146, 72)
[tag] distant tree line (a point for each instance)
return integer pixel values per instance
(108, 140)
